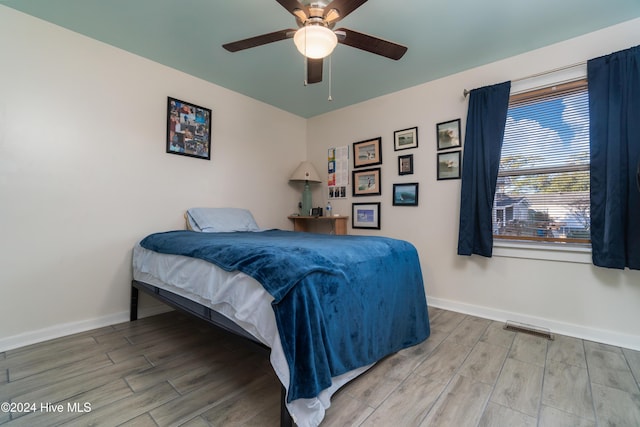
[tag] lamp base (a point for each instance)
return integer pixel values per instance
(306, 200)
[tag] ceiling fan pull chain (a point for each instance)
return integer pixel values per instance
(306, 61)
(305, 70)
(330, 62)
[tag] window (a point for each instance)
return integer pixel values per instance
(542, 193)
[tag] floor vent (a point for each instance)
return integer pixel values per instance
(528, 329)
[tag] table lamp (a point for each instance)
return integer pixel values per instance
(307, 173)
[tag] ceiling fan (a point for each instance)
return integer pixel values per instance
(315, 37)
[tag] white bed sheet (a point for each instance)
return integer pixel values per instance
(243, 300)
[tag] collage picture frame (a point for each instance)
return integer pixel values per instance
(188, 129)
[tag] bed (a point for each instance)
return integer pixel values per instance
(325, 308)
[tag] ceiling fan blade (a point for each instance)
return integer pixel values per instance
(344, 7)
(294, 6)
(314, 70)
(372, 44)
(259, 40)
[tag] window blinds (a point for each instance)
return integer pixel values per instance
(542, 192)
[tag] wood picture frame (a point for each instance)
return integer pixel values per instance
(449, 165)
(405, 194)
(188, 129)
(366, 182)
(367, 153)
(405, 139)
(405, 165)
(365, 215)
(448, 134)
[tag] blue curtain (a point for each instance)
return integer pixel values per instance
(486, 120)
(614, 111)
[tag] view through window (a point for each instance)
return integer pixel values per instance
(542, 192)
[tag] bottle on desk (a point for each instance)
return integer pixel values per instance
(329, 209)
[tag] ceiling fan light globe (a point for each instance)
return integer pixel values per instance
(315, 41)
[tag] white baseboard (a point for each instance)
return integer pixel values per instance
(598, 335)
(57, 331)
(561, 328)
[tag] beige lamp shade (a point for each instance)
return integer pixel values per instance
(305, 172)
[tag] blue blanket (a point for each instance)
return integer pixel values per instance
(340, 302)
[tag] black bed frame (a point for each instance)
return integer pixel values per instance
(212, 318)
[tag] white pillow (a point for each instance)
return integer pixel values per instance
(219, 220)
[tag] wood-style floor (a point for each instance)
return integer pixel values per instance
(170, 370)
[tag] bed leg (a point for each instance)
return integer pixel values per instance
(285, 417)
(133, 313)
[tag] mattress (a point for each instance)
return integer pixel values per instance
(241, 299)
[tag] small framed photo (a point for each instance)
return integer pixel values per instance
(367, 153)
(366, 182)
(449, 165)
(188, 129)
(337, 192)
(405, 164)
(405, 194)
(365, 215)
(448, 134)
(405, 139)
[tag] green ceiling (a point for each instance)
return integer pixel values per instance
(443, 37)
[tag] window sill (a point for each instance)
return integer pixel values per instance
(578, 253)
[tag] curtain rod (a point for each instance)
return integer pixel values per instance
(542, 73)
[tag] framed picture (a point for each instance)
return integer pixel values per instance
(405, 139)
(188, 129)
(405, 194)
(367, 153)
(366, 182)
(405, 164)
(365, 215)
(448, 134)
(337, 192)
(449, 165)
